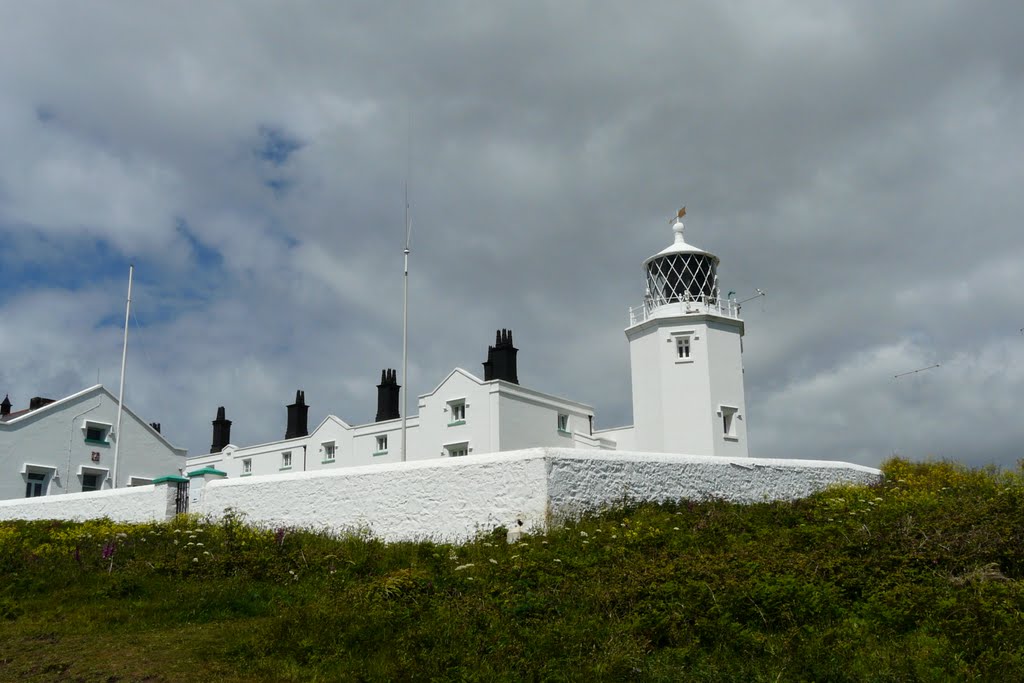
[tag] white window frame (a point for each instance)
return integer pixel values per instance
(330, 451)
(457, 449)
(102, 474)
(139, 481)
(682, 343)
(107, 428)
(246, 467)
(382, 444)
(457, 412)
(563, 423)
(729, 416)
(286, 460)
(49, 475)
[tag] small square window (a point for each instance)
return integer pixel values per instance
(329, 451)
(563, 423)
(90, 482)
(286, 460)
(458, 412)
(247, 466)
(96, 433)
(683, 347)
(457, 450)
(382, 444)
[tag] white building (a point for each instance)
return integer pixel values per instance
(687, 381)
(67, 446)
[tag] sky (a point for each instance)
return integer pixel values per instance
(861, 163)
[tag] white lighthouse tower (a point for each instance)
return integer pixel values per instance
(685, 356)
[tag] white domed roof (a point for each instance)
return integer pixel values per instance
(680, 246)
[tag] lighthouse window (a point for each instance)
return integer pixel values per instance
(728, 422)
(286, 460)
(382, 444)
(563, 423)
(682, 348)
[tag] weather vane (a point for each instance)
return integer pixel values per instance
(679, 216)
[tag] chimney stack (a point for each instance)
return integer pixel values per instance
(501, 359)
(5, 407)
(387, 396)
(221, 432)
(298, 415)
(37, 402)
(156, 426)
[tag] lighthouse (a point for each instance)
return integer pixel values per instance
(686, 356)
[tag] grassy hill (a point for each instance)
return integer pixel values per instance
(916, 579)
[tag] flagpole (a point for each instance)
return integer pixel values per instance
(124, 357)
(404, 332)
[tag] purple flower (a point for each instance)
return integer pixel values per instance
(108, 550)
(280, 536)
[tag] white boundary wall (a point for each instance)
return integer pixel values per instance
(453, 499)
(136, 504)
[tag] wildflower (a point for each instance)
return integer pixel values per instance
(615, 535)
(463, 566)
(514, 557)
(122, 535)
(489, 545)
(195, 559)
(206, 552)
(558, 560)
(584, 534)
(493, 561)
(675, 528)
(175, 541)
(586, 542)
(199, 544)
(108, 550)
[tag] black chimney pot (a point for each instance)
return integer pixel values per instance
(387, 396)
(5, 407)
(156, 426)
(298, 416)
(501, 359)
(37, 402)
(221, 432)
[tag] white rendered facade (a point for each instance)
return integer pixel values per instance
(67, 446)
(463, 415)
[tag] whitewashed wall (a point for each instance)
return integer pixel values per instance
(137, 504)
(452, 499)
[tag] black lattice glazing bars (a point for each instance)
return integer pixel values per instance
(682, 277)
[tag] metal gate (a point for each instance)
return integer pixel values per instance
(181, 498)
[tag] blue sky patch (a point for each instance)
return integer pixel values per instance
(276, 145)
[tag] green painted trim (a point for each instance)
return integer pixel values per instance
(245, 474)
(97, 442)
(288, 467)
(207, 470)
(324, 462)
(379, 453)
(456, 423)
(169, 478)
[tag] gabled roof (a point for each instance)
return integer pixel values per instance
(15, 420)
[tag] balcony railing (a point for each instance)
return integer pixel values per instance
(727, 308)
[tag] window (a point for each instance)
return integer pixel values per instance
(458, 412)
(246, 466)
(286, 460)
(729, 418)
(382, 444)
(329, 451)
(90, 482)
(139, 481)
(456, 450)
(36, 484)
(683, 347)
(96, 432)
(563, 423)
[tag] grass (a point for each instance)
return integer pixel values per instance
(918, 579)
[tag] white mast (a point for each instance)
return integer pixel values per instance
(124, 357)
(405, 322)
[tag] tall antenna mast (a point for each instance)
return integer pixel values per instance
(405, 299)
(124, 357)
